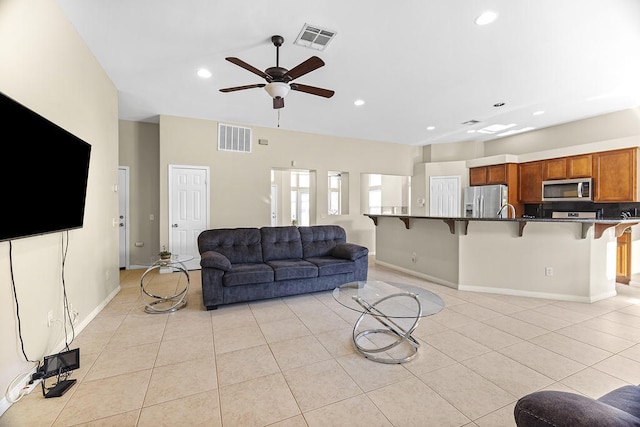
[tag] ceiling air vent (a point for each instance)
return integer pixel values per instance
(471, 122)
(234, 138)
(314, 37)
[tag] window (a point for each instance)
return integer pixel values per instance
(337, 189)
(300, 197)
(375, 193)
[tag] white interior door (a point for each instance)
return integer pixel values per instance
(123, 215)
(274, 205)
(188, 210)
(444, 196)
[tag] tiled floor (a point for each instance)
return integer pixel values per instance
(290, 362)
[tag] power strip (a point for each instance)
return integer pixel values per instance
(28, 388)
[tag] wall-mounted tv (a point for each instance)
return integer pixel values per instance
(44, 171)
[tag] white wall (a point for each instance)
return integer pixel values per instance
(46, 66)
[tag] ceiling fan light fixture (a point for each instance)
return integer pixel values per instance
(277, 89)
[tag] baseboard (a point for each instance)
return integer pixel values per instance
(542, 295)
(433, 279)
(6, 404)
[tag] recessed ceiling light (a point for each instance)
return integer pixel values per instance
(358, 102)
(204, 73)
(431, 128)
(537, 113)
(486, 18)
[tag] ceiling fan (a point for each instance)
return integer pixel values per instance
(279, 79)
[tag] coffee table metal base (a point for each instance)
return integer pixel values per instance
(155, 304)
(401, 334)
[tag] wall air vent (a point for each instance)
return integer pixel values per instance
(314, 37)
(234, 138)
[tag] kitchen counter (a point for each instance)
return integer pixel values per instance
(557, 258)
(600, 225)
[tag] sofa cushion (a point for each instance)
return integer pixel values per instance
(285, 269)
(319, 240)
(626, 398)
(281, 243)
(328, 266)
(247, 274)
(240, 245)
(349, 251)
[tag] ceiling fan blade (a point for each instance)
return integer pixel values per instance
(312, 90)
(307, 66)
(239, 62)
(278, 103)
(233, 89)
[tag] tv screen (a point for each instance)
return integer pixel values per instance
(60, 363)
(44, 169)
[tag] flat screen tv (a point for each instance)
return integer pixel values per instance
(44, 170)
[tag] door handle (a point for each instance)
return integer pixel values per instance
(174, 225)
(121, 225)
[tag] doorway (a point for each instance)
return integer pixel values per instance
(188, 211)
(123, 216)
(444, 196)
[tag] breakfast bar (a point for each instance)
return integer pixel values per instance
(563, 259)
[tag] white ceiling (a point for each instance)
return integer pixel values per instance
(416, 63)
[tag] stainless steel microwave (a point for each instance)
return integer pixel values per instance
(580, 189)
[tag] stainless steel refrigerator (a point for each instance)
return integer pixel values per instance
(485, 201)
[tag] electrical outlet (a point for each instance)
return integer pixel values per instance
(548, 271)
(413, 257)
(49, 318)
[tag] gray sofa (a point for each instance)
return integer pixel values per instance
(620, 407)
(246, 264)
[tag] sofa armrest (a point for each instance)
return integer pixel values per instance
(557, 408)
(213, 259)
(349, 251)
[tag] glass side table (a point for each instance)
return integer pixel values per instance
(156, 304)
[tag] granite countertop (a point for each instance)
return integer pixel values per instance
(600, 225)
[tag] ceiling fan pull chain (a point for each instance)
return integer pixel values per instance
(278, 118)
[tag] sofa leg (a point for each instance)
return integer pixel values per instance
(212, 307)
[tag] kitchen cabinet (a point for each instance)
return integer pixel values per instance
(615, 175)
(623, 257)
(530, 182)
(493, 174)
(478, 176)
(567, 167)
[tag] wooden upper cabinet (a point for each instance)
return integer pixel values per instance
(580, 166)
(478, 176)
(497, 174)
(615, 175)
(554, 169)
(530, 182)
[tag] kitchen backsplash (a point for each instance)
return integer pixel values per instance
(603, 210)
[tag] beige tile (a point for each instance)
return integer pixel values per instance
(428, 326)
(188, 326)
(508, 374)
(131, 335)
(112, 362)
(200, 409)
(451, 319)
(283, 330)
(232, 316)
(237, 338)
(620, 367)
(617, 329)
(183, 349)
(297, 421)
(370, 375)
(470, 393)
(127, 419)
(102, 398)
(573, 349)
(632, 353)
(563, 313)
(270, 310)
(456, 345)
(320, 384)
(515, 327)
(596, 338)
(540, 319)
(357, 411)
(475, 311)
(324, 322)
(592, 382)
(260, 401)
(487, 335)
(428, 359)
(412, 403)
(624, 318)
(548, 363)
(299, 352)
(503, 417)
(338, 342)
(246, 364)
(181, 379)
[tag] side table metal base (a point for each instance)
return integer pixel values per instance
(392, 328)
(155, 304)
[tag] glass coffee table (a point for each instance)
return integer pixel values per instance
(155, 304)
(397, 307)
